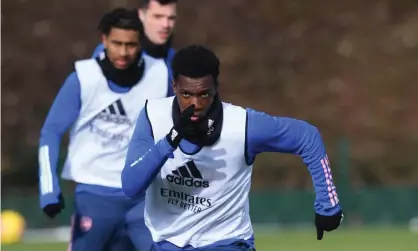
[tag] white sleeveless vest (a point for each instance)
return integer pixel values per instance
(99, 138)
(202, 198)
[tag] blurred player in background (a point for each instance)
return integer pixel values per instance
(159, 19)
(101, 100)
(193, 155)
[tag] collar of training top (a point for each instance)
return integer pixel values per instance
(127, 77)
(207, 130)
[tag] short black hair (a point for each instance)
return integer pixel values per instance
(195, 61)
(120, 18)
(143, 4)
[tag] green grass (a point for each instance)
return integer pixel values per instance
(340, 240)
(293, 240)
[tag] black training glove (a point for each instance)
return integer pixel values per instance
(177, 132)
(327, 223)
(53, 209)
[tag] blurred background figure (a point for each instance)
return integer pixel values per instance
(348, 67)
(159, 19)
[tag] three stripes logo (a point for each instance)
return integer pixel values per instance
(332, 193)
(187, 175)
(115, 113)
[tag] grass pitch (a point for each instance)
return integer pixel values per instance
(376, 239)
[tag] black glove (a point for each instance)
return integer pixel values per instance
(53, 209)
(177, 132)
(327, 223)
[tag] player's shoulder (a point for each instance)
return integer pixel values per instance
(155, 109)
(160, 102)
(99, 48)
(97, 54)
(250, 113)
(149, 59)
(155, 64)
(72, 76)
(88, 70)
(71, 79)
(85, 62)
(232, 109)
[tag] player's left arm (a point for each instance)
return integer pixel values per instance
(267, 133)
(144, 158)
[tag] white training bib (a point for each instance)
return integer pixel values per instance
(100, 137)
(202, 198)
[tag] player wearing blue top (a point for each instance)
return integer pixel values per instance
(101, 101)
(193, 155)
(159, 19)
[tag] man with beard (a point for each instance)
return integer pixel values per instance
(101, 101)
(193, 155)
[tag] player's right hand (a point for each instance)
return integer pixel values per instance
(176, 133)
(55, 208)
(327, 223)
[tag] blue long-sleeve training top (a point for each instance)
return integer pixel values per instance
(265, 133)
(68, 102)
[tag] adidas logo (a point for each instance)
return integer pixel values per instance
(115, 113)
(116, 108)
(187, 175)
